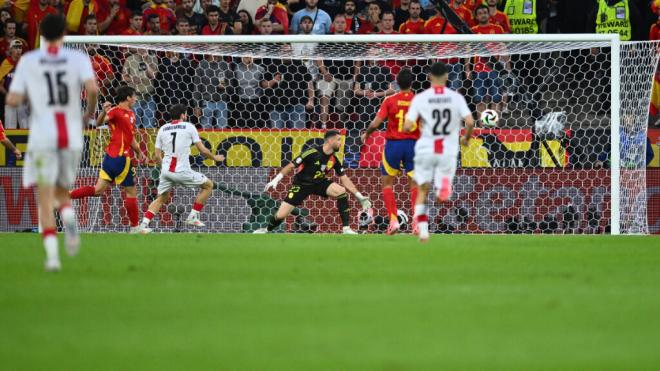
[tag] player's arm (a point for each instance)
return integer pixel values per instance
(7, 143)
(375, 124)
(207, 154)
(305, 156)
(158, 155)
(92, 98)
(141, 157)
(350, 186)
(103, 117)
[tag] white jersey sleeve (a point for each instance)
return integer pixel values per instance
(175, 139)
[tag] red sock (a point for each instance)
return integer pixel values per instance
(413, 199)
(48, 232)
(130, 203)
(82, 192)
(198, 207)
(390, 202)
(149, 215)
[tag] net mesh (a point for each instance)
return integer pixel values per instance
(543, 168)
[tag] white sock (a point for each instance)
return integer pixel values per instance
(68, 216)
(423, 228)
(146, 221)
(50, 245)
(193, 214)
(420, 210)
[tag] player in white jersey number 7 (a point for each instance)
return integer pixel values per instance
(173, 151)
(439, 111)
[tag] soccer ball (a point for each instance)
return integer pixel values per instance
(489, 118)
(402, 217)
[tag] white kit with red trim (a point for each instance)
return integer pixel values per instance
(175, 139)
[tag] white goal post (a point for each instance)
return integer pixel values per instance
(625, 204)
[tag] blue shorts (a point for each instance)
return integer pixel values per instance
(118, 169)
(398, 155)
(487, 85)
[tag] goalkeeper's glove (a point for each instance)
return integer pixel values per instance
(364, 201)
(273, 183)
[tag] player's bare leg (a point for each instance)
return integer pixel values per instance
(152, 211)
(89, 191)
(284, 210)
(421, 214)
(46, 196)
(71, 235)
(200, 201)
(339, 193)
(131, 205)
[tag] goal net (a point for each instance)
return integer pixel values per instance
(566, 156)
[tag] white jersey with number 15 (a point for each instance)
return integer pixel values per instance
(175, 139)
(52, 80)
(440, 112)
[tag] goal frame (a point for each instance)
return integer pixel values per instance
(615, 72)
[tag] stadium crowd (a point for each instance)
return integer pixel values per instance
(247, 92)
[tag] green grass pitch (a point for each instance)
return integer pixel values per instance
(331, 302)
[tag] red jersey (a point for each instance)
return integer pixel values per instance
(470, 5)
(465, 14)
(119, 23)
(165, 15)
(501, 19)
(121, 122)
(220, 29)
(435, 24)
(2, 132)
(394, 109)
(481, 63)
(410, 27)
(654, 34)
(130, 32)
(32, 18)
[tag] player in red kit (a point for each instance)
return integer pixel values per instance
(400, 145)
(117, 165)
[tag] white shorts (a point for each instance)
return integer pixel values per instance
(439, 169)
(186, 178)
(49, 168)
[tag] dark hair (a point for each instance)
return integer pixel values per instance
(212, 8)
(177, 110)
(182, 20)
(415, 1)
(330, 133)
(10, 20)
(438, 69)
(136, 13)
(306, 17)
(90, 16)
(152, 16)
(350, 1)
(385, 13)
(250, 24)
(482, 6)
(405, 79)
(52, 27)
(123, 93)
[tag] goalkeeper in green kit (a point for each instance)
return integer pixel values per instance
(312, 168)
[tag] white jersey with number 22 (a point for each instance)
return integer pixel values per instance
(175, 139)
(440, 112)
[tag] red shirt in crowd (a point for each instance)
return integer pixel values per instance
(654, 34)
(410, 27)
(501, 19)
(481, 63)
(119, 24)
(435, 24)
(465, 14)
(165, 15)
(33, 17)
(130, 32)
(121, 122)
(2, 132)
(220, 29)
(394, 109)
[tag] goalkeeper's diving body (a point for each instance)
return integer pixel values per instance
(311, 177)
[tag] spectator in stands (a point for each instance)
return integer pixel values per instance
(654, 33)
(247, 25)
(274, 11)
(336, 79)
(321, 21)
(195, 20)
(115, 18)
(171, 4)
(462, 9)
(526, 16)
(229, 17)
(332, 7)
(485, 82)
(211, 80)
(250, 102)
(5, 15)
(173, 82)
(166, 16)
(102, 69)
(15, 117)
(372, 22)
(305, 28)
(36, 12)
(77, 12)
(90, 26)
(214, 26)
(401, 13)
(266, 27)
(182, 27)
(153, 25)
(139, 71)
(387, 23)
(9, 38)
(291, 91)
(497, 17)
(438, 25)
(134, 25)
(414, 24)
(353, 20)
(617, 16)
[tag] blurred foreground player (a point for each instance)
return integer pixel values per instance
(439, 112)
(311, 170)
(117, 162)
(50, 79)
(173, 151)
(400, 145)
